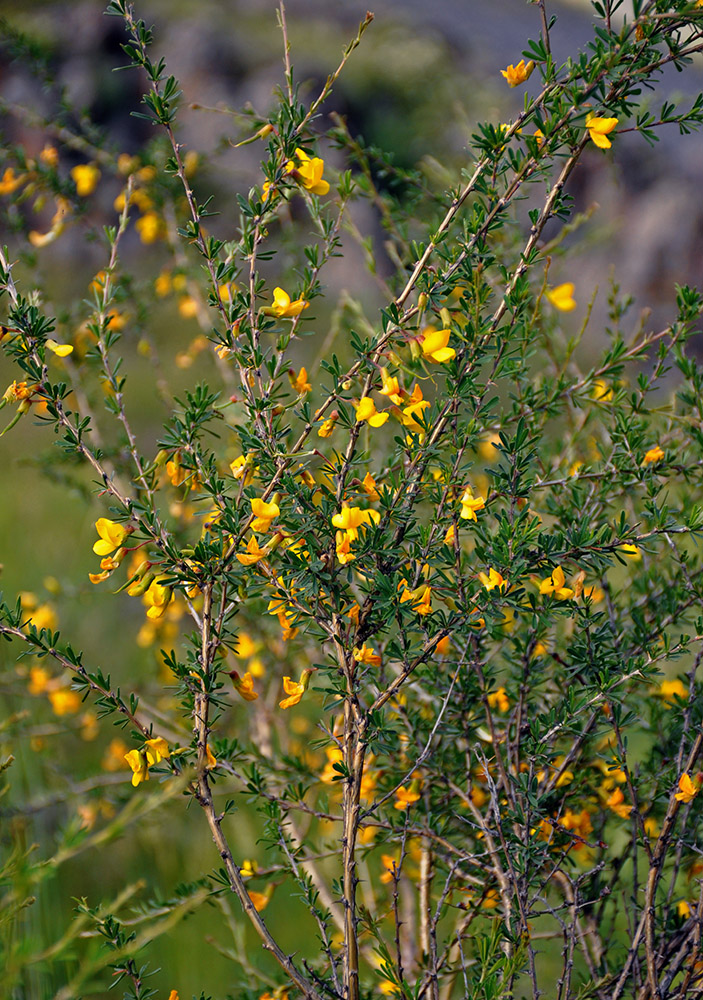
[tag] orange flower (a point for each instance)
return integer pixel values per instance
(687, 789)
(244, 685)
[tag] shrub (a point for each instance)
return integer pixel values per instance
(426, 586)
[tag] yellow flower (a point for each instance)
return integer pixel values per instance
(562, 297)
(38, 680)
(153, 752)
(449, 535)
(350, 519)
(414, 409)
(243, 467)
(249, 868)
(492, 580)
(602, 391)
(261, 899)
(114, 755)
(443, 646)
(187, 306)
(112, 535)
(671, 690)
(300, 381)
(390, 387)
(368, 484)
(156, 750)
(434, 345)
(295, 689)
(654, 454)
(343, 548)
(309, 172)
(617, 803)
(683, 909)
(499, 699)
(405, 797)
(515, 75)
(555, 584)
(599, 128)
(150, 227)
(140, 768)
(263, 513)
(58, 224)
(390, 868)
(421, 597)
(157, 598)
(9, 182)
(253, 553)
(60, 350)
(687, 790)
(244, 685)
(328, 425)
(64, 701)
(366, 410)
(366, 654)
(283, 307)
(470, 504)
(17, 392)
(85, 177)
(631, 551)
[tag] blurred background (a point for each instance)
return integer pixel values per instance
(423, 75)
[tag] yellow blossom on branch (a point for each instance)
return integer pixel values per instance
(368, 484)
(261, 900)
(417, 404)
(405, 797)
(283, 307)
(366, 410)
(343, 548)
(64, 701)
(151, 227)
(493, 579)
(391, 869)
(654, 454)
(9, 182)
(328, 425)
(434, 345)
(295, 689)
(599, 129)
(499, 699)
(555, 584)
(630, 550)
(616, 802)
(253, 553)
(264, 513)
(470, 504)
(244, 685)
(671, 690)
(390, 387)
(515, 75)
(365, 654)
(112, 535)
(562, 297)
(85, 177)
(60, 350)
(308, 172)
(350, 519)
(687, 789)
(153, 752)
(157, 598)
(300, 381)
(421, 597)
